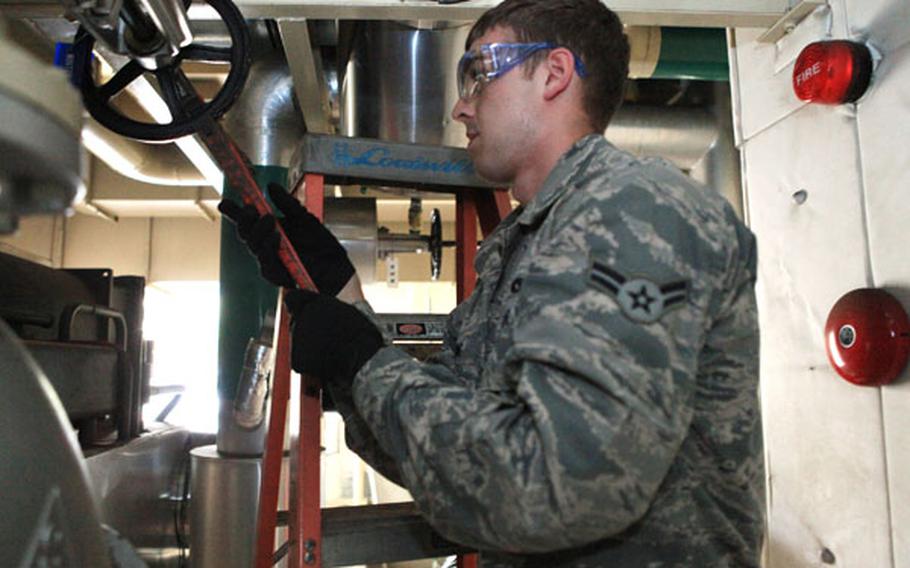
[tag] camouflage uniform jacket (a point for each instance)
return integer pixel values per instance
(596, 401)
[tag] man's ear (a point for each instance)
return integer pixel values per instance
(560, 71)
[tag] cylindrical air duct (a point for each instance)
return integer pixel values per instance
(400, 83)
(225, 498)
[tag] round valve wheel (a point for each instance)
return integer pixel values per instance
(186, 108)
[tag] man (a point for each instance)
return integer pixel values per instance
(595, 403)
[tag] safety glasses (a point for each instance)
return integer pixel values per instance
(481, 65)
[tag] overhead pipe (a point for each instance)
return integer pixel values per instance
(265, 121)
(678, 53)
(158, 164)
(266, 125)
(679, 134)
(720, 166)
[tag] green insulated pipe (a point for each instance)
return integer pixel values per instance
(678, 53)
(266, 125)
(246, 297)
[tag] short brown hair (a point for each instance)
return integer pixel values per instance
(586, 27)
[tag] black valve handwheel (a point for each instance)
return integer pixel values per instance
(186, 112)
(434, 244)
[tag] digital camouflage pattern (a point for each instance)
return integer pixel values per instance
(596, 403)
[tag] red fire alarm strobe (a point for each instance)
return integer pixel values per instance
(833, 72)
(867, 337)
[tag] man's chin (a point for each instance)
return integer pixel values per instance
(490, 172)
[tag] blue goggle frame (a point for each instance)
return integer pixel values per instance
(493, 60)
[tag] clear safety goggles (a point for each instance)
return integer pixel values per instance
(481, 65)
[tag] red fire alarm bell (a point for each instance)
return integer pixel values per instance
(867, 337)
(832, 72)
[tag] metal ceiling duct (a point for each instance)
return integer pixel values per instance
(679, 134)
(399, 84)
(265, 121)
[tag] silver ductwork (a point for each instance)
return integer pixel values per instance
(681, 135)
(265, 121)
(225, 499)
(720, 166)
(697, 140)
(399, 84)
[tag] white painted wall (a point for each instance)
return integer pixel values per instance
(838, 455)
(39, 239)
(158, 248)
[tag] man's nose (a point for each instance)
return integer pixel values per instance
(462, 110)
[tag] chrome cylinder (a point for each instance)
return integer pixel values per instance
(232, 439)
(400, 83)
(225, 498)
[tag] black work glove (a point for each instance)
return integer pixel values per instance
(322, 255)
(331, 341)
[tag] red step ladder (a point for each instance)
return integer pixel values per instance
(305, 519)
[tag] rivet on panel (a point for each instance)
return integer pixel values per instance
(827, 556)
(800, 196)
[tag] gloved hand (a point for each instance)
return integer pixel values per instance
(322, 255)
(331, 340)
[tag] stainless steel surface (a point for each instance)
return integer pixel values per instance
(253, 388)
(47, 515)
(380, 533)
(305, 65)
(353, 222)
(225, 494)
(265, 121)
(707, 13)
(159, 164)
(233, 439)
(241, 420)
(400, 83)
(720, 167)
(171, 20)
(700, 13)
(104, 19)
(681, 135)
(140, 487)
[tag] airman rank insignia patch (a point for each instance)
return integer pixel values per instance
(642, 300)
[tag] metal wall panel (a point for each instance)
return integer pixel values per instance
(884, 22)
(823, 437)
(883, 117)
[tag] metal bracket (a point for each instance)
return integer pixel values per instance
(790, 20)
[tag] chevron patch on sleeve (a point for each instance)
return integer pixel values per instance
(641, 299)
